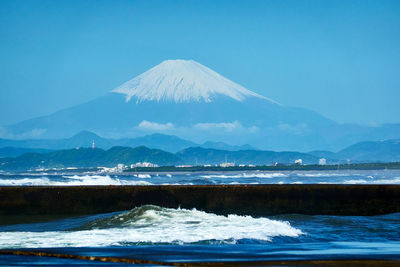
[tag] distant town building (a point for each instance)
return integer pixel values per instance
(207, 165)
(298, 161)
(144, 164)
(227, 164)
(184, 166)
(322, 161)
(120, 168)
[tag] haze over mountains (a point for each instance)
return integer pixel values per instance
(388, 151)
(168, 143)
(189, 100)
(170, 150)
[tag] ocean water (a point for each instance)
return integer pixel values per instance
(182, 235)
(203, 178)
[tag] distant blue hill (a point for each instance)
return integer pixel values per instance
(369, 151)
(17, 151)
(201, 156)
(224, 146)
(88, 157)
(208, 152)
(324, 154)
(384, 151)
(170, 143)
(165, 142)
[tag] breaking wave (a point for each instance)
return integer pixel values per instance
(72, 181)
(154, 225)
(323, 174)
(395, 180)
(246, 175)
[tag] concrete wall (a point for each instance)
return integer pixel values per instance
(255, 200)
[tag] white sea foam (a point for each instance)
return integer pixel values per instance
(358, 181)
(235, 183)
(177, 184)
(246, 175)
(323, 174)
(71, 181)
(152, 224)
(142, 175)
(395, 180)
(217, 178)
(25, 181)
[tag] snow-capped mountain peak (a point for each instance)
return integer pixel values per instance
(182, 81)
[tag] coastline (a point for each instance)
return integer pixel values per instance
(212, 169)
(293, 167)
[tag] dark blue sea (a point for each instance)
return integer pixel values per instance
(181, 235)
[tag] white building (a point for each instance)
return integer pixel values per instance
(184, 166)
(298, 161)
(120, 168)
(227, 164)
(322, 161)
(143, 164)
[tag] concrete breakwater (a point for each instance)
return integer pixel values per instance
(254, 200)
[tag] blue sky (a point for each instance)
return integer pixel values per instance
(339, 58)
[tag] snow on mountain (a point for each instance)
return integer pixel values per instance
(182, 81)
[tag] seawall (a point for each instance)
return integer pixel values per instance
(255, 200)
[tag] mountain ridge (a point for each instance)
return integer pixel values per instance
(207, 107)
(169, 143)
(383, 151)
(366, 151)
(89, 157)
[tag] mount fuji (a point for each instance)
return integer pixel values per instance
(182, 81)
(187, 99)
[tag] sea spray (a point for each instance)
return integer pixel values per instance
(155, 225)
